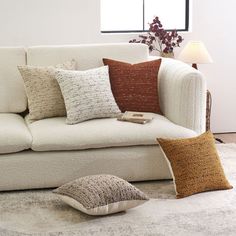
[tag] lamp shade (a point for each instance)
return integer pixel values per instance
(195, 52)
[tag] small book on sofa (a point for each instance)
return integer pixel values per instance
(136, 117)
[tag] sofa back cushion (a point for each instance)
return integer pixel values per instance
(87, 56)
(12, 93)
(13, 98)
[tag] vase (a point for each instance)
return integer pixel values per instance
(168, 54)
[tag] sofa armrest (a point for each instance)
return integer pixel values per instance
(182, 92)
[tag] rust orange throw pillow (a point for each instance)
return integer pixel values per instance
(135, 87)
(195, 164)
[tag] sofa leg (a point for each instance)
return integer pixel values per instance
(219, 140)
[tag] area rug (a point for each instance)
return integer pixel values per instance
(40, 213)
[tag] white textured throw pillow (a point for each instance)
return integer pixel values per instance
(87, 94)
(101, 194)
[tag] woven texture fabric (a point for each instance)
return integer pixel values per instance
(101, 190)
(44, 95)
(87, 94)
(135, 87)
(195, 164)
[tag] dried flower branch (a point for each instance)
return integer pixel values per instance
(158, 39)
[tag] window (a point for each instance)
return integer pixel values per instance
(134, 15)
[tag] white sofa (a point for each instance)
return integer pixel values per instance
(48, 153)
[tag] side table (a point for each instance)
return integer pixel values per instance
(208, 110)
(208, 113)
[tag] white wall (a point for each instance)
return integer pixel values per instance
(213, 23)
(34, 22)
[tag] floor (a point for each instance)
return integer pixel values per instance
(227, 137)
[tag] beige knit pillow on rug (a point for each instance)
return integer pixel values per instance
(101, 194)
(44, 95)
(195, 164)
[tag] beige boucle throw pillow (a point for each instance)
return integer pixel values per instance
(101, 194)
(44, 95)
(195, 164)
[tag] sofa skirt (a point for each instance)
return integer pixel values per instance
(31, 170)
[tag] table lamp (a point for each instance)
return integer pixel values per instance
(195, 52)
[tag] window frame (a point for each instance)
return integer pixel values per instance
(186, 28)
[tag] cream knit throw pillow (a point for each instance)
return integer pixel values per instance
(87, 94)
(44, 95)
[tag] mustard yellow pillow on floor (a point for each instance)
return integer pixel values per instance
(195, 164)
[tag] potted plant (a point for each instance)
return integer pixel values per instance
(160, 40)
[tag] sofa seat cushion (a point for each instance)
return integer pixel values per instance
(54, 134)
(14, 133)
